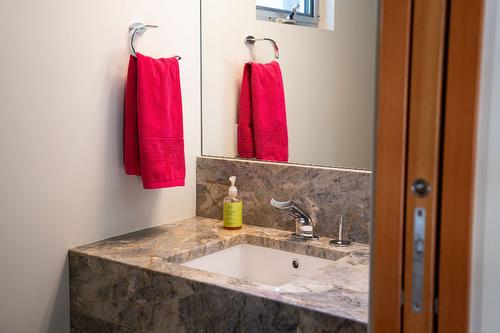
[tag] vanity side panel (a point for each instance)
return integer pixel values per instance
(325, 193)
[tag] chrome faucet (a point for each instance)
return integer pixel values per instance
(304, 228)
(292, 14)
(290, 18)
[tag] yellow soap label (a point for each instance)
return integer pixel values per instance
(233, 214)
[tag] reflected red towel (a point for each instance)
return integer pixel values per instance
(153, 135)
(262, 128)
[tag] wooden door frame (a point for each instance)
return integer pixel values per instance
(464, 36)
(425, 118)
(458, 168)
(390, 166)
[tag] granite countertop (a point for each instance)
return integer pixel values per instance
(340, 289)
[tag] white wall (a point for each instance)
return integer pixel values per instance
(327, 14)
(63, 66)
(329, 79)
(485, 296)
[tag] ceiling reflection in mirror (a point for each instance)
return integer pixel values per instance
(290, 81)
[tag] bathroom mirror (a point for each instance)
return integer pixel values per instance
(328, 75)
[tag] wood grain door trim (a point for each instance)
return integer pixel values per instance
(390, 166)
(424, 150)
(458, 170)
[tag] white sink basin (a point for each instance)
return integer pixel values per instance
(259, 264)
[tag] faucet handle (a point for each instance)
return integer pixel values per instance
(291, 208)
(283, 205)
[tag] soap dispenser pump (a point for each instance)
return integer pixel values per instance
(233, 208)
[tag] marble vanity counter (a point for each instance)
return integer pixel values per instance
(136, 282)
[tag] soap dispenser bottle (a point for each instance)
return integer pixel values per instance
(233, 208)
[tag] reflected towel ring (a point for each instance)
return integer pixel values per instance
(139, 28)
(250, 40)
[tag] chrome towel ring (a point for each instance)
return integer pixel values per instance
(250, 40)
(139, 28)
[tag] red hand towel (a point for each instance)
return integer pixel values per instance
(153, 131)
(262, 128)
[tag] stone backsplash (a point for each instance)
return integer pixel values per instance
(324, 193)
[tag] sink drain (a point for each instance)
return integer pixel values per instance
(295, 263)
